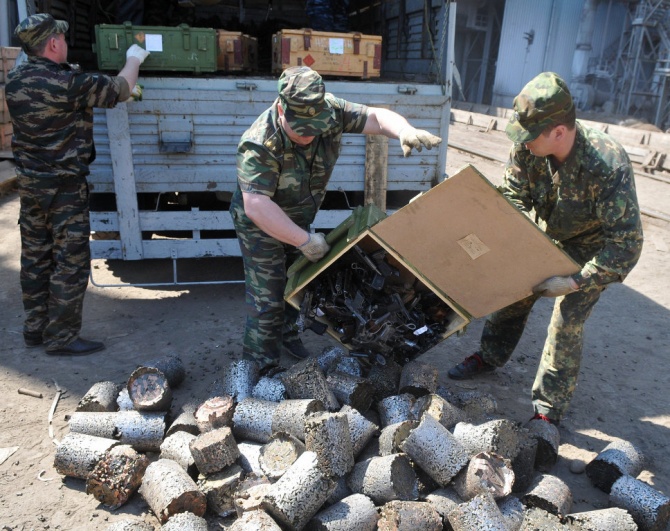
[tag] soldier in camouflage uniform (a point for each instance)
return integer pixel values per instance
(578, 184)
(284, 162)
(51, 106)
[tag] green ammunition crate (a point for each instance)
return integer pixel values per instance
(176, 49)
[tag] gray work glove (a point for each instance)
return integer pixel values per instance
(555, 287)
(416, 138)
(315, 247)
(137, 52)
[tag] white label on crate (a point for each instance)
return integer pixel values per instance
(336, 46)
(473, 246)
(154, 42)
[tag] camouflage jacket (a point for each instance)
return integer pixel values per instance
(51, 106)
(589, 205)
(295, 177)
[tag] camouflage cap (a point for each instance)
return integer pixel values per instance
(543, 101)
(303, 98)
(35, 29)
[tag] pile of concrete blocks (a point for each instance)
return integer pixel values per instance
(331, 445)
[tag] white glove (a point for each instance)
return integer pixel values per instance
(137, 52)
(416, 138)
(555, 287)
(315, 247)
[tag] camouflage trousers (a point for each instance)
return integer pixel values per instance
(55, 258)
(270, 321)
(557, 374)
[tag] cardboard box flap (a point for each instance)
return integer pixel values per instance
(472, 244)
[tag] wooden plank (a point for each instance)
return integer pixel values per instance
(124, 181)
(376, 170)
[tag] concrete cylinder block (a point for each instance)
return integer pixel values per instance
(255, 521)
(440, 409)
(393, 435)
(549, 493)
(385, 378)
(355, 512)
(143, 430)
(341, 491)
(444, 500)
(606, 519)
(214, 450)
(176, 447)
(277, 455)
(271, 389)
(299, 493)
(409, 516)
(418, 379)
(185, 420)
(361, 430)
(497, 436)
(348, 365)
(353, 391)
(431, 446)
(171, 366)
(327, 435)
(395, 408)
(100, 397)
(481, 512)
(290, 415)
(523, 463)
(239, 378)
(253, 419)
(220, 488)
(618, 458)
(306, 380)
(215, 412)
(328, 357)
(513, 511)
(476, 405)
(78, 453)
(384, 479)
(650, 508)
(249, 457)
(185, 522)
(548, 442)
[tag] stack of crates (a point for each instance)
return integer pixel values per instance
(8, 57)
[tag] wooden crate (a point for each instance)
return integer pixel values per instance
(6, 136)
(237, 52)
(329, 53)
(8, 55)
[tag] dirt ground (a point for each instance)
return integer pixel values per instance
(622, 393)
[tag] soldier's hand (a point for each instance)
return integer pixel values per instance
(556, 287)
(138, 52)
(416, 138)
(315, 247)
(136, 93)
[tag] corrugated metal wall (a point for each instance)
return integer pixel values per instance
(213, 114)
(553, 25)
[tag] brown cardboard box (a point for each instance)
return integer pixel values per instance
(335, 54)
(237, 52)
(462, 240)
(8, 55)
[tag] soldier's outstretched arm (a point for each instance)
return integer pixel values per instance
(393, 125)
